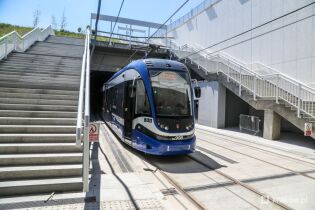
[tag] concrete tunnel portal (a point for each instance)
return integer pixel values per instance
(106, 61)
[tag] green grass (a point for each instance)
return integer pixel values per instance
(69, 34)
(7, 28)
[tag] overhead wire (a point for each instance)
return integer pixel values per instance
(249, 30)
(112, 30)
(174, 13)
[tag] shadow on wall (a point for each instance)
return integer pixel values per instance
(175, 35)
(211, 13)
(190, 25)
(243, 1)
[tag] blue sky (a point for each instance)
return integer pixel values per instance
(77, 12)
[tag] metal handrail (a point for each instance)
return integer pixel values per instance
(13, 41)
(82, 127)
(81, 97)
(278, 86)
(86, 153)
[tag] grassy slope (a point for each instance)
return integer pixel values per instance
(7, 28)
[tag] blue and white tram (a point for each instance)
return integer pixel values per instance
(149, 105)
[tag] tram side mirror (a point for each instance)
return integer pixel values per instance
(197, 91)
(132, 91)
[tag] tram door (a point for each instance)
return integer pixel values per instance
(128, 110)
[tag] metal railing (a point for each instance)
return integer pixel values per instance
(269, 86)
(249, 123)
(15, 42)
(83, 119)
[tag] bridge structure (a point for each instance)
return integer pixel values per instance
(48, 82)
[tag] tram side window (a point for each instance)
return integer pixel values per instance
(119, 99)
(110, 99)
(142, 101)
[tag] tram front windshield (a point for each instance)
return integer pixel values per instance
(171, 92)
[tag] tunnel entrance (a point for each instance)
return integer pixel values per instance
(98, 78)
(107, 60)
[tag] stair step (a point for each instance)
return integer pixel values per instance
(42, 62)
(42, 78)
(14, 70)
(39, 101)
(23, 148)
(51, 75)
(38, 66)
(55, 53)
(39, 172)
(37, 107)
(37, 186)
(40, 159)
(6, 129)
(38, 96)
(27, 55)
(37, 114)
(37, 121)
(41, 83)
(38, 138)
(44, 59)
(39, 91)
(57, 86)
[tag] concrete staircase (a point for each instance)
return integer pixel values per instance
(227, 73)
(38, 106)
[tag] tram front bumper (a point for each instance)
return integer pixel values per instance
(153, 146)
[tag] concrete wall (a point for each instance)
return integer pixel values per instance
(211, 111)
(286, 44)
(234, 107)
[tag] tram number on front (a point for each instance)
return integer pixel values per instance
(149, 120)
(177, 138)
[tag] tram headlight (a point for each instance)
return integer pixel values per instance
(162, 126)
(187, 127)
(166, 128)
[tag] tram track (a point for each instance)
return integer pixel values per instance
(106, 131)
(195, 201)
(189, 196)
(238, 182)
(259, 159)
(176, 185)
(258, 148)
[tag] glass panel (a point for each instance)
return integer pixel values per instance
(142, 102)
(171, 92)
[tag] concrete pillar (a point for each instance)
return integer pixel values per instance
(211, 111)
(272, 125)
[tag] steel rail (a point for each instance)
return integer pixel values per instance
(270, 163)
(248, 187)
(177, 186)
(228, 138)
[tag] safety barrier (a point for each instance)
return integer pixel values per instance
(249, 123)
(15, 42)
(82, 128)
(268, 86)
